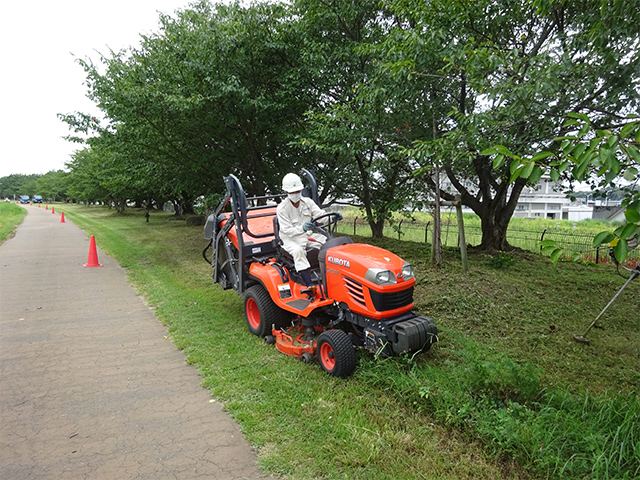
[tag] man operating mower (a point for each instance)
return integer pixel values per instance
(294, 217)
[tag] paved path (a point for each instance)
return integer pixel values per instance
(90, 387)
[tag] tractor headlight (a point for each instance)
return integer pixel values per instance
(407, 271)
(380, 276)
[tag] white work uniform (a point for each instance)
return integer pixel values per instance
(294, 238)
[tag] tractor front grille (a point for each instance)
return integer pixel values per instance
(355, 290)
(390, 301)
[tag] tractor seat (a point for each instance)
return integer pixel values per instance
(285, 257)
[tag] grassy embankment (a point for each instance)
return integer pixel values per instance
(10, 217)
(506, 393)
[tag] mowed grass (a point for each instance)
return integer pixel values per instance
(10, 217)
(506, 393)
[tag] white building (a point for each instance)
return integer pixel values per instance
(577, 212)
(544, 200)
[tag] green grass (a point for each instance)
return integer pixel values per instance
(10, 217)
(506, 393)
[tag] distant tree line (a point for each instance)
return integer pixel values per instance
(52, 186)
(379, 98)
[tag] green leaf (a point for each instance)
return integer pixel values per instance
(555, 255)
(536, 174)
(621, 250)
(603, 237)
(578, 115)
(630, 174)
(498, 162)
(527, 170)
(580, 169)
(629, 230)
(515, 167)
(554, 174)
(541, 155)
(633, 152)
(628, 128)
(632, 216)
(503, 150)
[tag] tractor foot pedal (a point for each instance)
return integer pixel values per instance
(310, 292)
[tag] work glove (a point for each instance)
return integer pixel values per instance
(308, 226)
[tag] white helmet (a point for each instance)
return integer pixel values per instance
(291, 183)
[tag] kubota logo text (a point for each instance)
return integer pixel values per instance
(339, 261)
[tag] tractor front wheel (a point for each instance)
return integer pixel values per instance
(261, 313)
(336, 353)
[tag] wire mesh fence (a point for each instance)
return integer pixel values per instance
(528, 239)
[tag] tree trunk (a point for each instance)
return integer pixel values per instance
(377, 228)
(187, 204)
(494, 235)
(177, 207)
(494, 202)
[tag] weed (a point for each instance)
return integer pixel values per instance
(501, 261)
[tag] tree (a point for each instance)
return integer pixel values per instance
(509, 73)
(353, 127)
(604, 158)
(87, 172)
(212, 92)
(53, 185)
(18, 184)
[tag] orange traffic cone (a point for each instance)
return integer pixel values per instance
(47, 207)
(53, 209)
(39, 205)
(92, 261)
(62, 218)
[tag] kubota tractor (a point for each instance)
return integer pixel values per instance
(362, 295)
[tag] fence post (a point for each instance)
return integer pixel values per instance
(400, 228)
(426, 232)
(597, 255)
(354, 225)
(461, 237)
(542, 237)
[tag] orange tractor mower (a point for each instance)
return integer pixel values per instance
(362, 295)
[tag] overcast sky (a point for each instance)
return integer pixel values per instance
(39, 76)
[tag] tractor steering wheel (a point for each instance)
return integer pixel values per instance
(327, 223)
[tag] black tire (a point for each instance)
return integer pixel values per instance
(261, 313)
(336, 354)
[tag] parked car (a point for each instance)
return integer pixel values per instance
(37, 199)
(24, 199)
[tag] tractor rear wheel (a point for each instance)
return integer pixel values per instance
(336, 353)
(261, 313)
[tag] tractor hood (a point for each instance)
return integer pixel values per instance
(376, 266)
